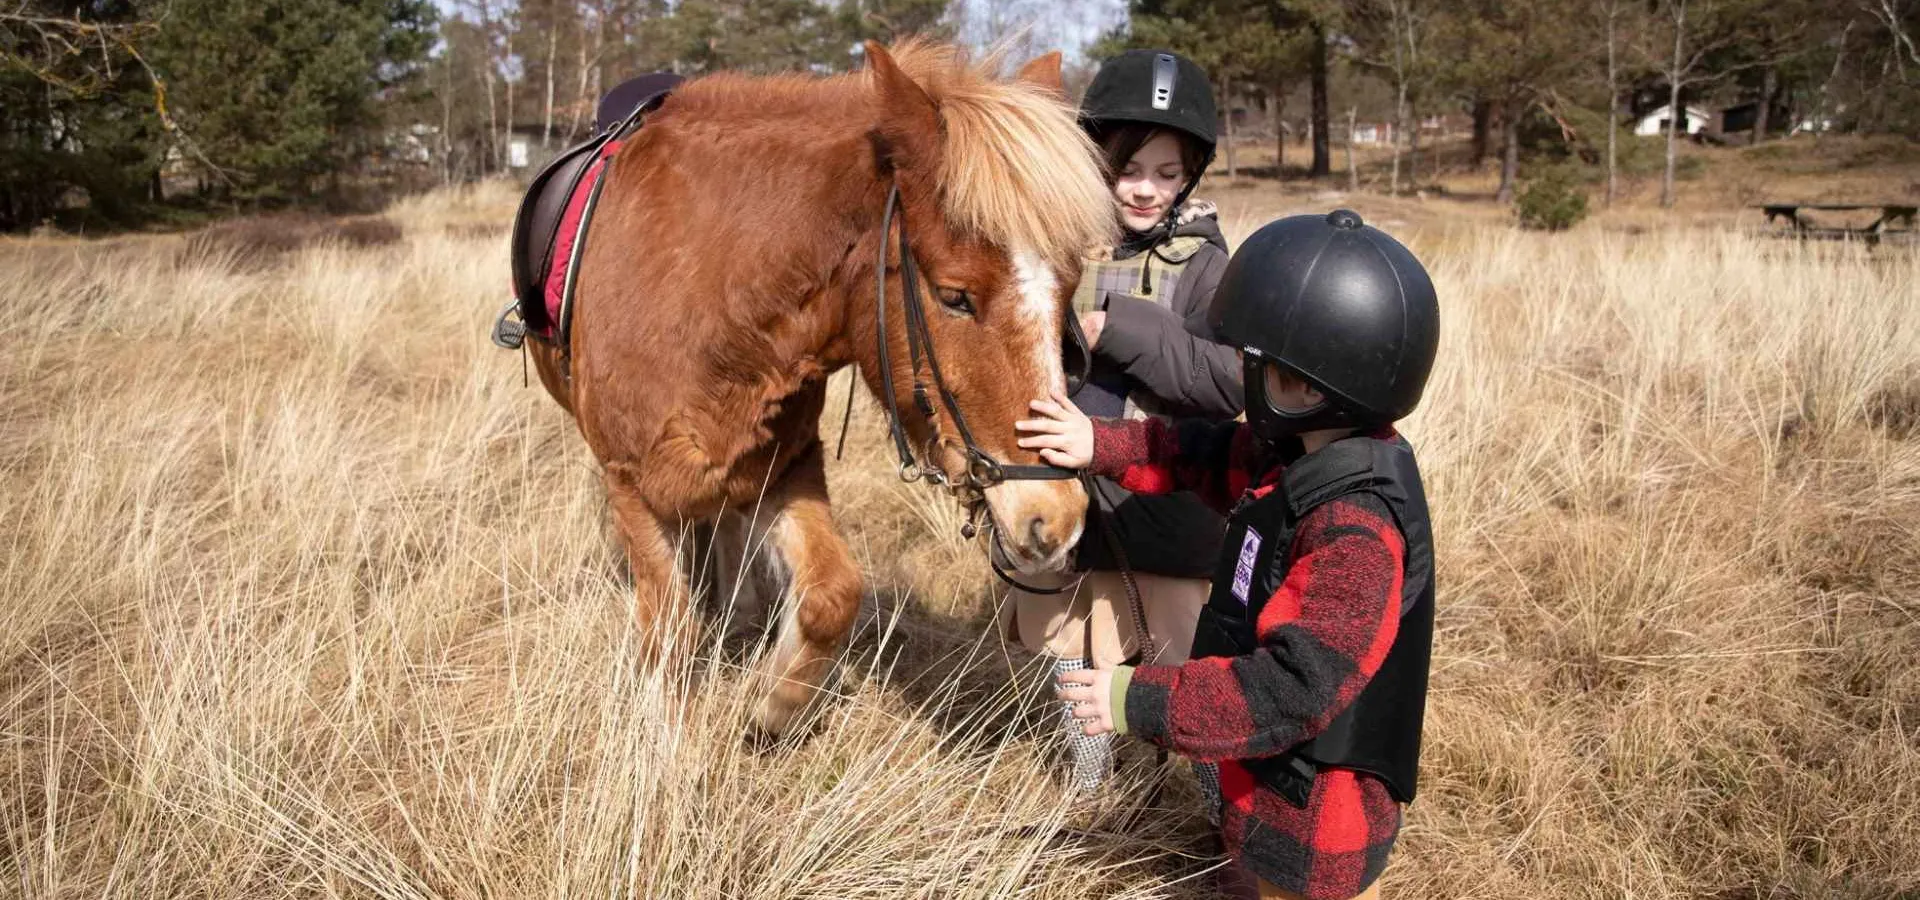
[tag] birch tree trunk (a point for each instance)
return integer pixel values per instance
(582, 102)
(446, 123)
(1400, 22)
(1820, 101)
(506, 57)
(1226, 94)
(1279, 94)
(1413, 146)
(1399, 127)
(602, 14)
(546, 118)
(1510, 157)
(1613, 101)
(486, 72)
(1769, 84)
(1322, 151)
(1353, 174)
(1676, 114)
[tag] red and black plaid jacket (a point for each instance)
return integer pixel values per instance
(1322, 635)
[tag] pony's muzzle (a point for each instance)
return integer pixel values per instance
(1038, 523)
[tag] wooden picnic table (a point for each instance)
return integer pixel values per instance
(1890, 214)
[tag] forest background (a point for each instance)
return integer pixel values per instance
(124, 113)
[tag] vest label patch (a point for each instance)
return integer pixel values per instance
(1243, 570)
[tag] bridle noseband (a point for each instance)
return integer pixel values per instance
(983, 471)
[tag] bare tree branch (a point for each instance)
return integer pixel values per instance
(1884, 12)
(65, 39)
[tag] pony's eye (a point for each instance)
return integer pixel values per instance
(956, 300)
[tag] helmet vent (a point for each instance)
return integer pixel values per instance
(1163, 76)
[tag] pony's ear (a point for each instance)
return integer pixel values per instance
(908, 134)
(1044, 72)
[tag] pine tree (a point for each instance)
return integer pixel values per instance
(755, 36)
(281, 94)
(890, 20)
(1263, 42)
(1391, 37)
(1513, 54)
(82, 120)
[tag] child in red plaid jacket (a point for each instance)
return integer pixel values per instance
(1310, 662)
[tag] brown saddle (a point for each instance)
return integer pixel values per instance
(543, 214)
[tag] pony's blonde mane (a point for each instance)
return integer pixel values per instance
(1016, 167)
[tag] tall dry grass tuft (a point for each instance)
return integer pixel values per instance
(305, 594)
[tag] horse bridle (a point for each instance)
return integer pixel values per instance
(982, 471)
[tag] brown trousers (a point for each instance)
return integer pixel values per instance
(1094, 621)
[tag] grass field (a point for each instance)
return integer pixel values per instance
(305, 595)
(1717, 186)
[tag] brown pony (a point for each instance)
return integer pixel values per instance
(731, 268)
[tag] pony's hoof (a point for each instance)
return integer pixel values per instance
(759, 740)
(767, 733)
(788, 692)
(781, 711)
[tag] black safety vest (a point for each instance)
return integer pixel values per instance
(1380, 732)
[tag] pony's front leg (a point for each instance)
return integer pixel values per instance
(818, 606)
(658, 587)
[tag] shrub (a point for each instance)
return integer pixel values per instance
(258, 241)
(1646, 157)
(1553, 201)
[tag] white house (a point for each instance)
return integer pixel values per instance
(1372, 133)
(1817, 122)
(1655, 122)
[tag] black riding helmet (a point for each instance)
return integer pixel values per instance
(1337, 303)
(1156, 87)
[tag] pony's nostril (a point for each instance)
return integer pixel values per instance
(1037, 533)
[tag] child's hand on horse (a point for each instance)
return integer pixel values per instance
(1090, 691)
(1063, 434)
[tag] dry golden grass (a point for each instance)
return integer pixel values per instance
(1717, 189)
(305, 595)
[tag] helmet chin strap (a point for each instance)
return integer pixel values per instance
(1173, 209)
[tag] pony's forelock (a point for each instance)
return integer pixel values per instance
(1016, 168)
